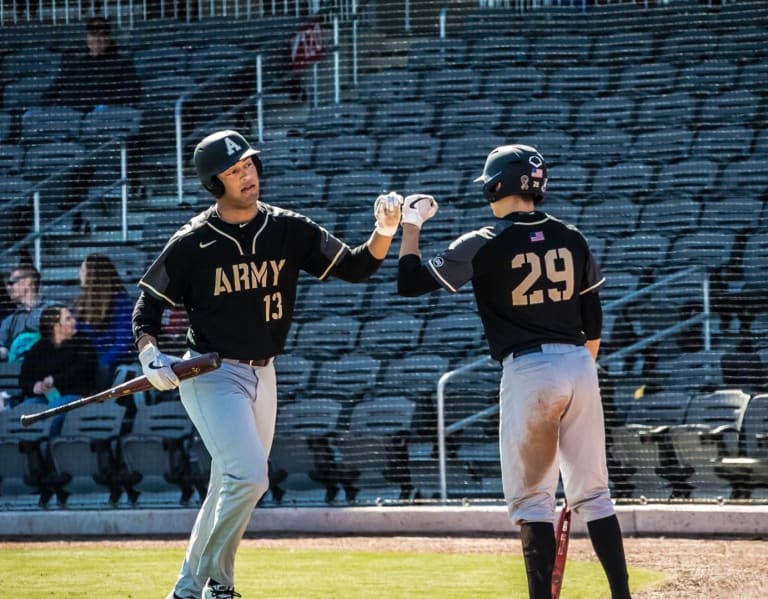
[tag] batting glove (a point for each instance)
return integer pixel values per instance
(418, 208)
(386, 209)
(157, 368)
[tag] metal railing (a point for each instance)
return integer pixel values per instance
(444, 430)
(34, 191)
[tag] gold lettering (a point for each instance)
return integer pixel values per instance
(243, 277)
(258, 275)
(276, 268)
(222, 283)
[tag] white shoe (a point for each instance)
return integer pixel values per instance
(214, 590)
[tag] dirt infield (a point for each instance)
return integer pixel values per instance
(696, 568)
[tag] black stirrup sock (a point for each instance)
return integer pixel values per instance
(538, 539)
(605, 535)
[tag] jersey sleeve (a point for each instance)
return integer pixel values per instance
(593, 277)
(325, 252)
(454, 267)
(163, 279)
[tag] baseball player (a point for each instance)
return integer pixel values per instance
(536, 286)
(235, 269)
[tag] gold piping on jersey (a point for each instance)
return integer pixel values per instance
(595, 286)
(253, 245)
(333, 262)
(223, 234)
(158, 294)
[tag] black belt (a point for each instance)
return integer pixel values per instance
(535, 349)
(252, 363)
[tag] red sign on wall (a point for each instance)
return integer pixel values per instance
(307, 46)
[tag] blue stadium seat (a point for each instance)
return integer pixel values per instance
(614, 111)
(336, 119)
(694, 177)
(506, 83)
(677, 108)
(622, 48)
(557, 50)
(436, 53)
(444, 183)
(344, 153)
(43, 160)
(740, 107)
(466, 115)
(643, 79)
(416, 116)
(157, 61)
(554, 145)
(394, 85)
(448, 85)
(602, 148)
(708, 77)
(407, 152)
(307, 188)
(579, 82)
(350, 379)
(680, 45)
(549, 112)
(327, 338)
(294, 373)
(490, 52)
(631, 180)
(392, 335)
(662, 146)
(286, 154)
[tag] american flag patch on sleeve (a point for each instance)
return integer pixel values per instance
(536, 236)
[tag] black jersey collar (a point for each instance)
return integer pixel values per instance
(525, 217)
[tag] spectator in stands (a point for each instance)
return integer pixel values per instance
(22, 325)
(104, 311)
(61, 367)
(96, 75)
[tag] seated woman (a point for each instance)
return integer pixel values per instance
(104, 311)
(61, 367)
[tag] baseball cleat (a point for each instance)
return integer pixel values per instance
(214, 590)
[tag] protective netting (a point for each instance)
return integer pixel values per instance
(652, 119)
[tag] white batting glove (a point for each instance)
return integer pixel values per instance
(157, 368)
(418, 208)
(386, 209)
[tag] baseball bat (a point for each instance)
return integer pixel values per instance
(561, 550)
(184, 369)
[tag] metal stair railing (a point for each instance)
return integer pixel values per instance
(444, 430)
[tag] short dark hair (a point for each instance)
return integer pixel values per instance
(98, 26)
(49, 317)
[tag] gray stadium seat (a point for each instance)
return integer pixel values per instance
(344, 153)
(293, 375)
(506, 83)
(672, 218)
(302, 455)
(416, 116)
(579, 82)
(407, 152)
(679, 45)
(327, 338)
(740, 107)
(466, 115)
(155, 450)
(643, 448)
(392, 335)
(455, 335)
(22, 450)
(448, 85)
(623, 48)
(615, 111)
(554, 145)
(50, 124)
(425, 54)
(549, 112)
(708, 248)
(376, 445)
(570, 181)
(641, 79)
(628, 180)
(84, 453)
(602, 148)
(444, 183)
(749, 470)
(286, 154)
(709, 433)
(557, 50)
(336, 119)
(662, 146)
(708, 77)
(690, 178)
(349, 379)
(490, 52)
(109, 123)
(394, 85)
(675, 109)
(333, 296)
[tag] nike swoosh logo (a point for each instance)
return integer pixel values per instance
(154, 366)
(205, 245)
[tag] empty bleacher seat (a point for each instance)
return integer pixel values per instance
(612, 111)
(386, 336)
(555, 146)
(155, 450)
(416, 116)
(344, 153)
(679, 45)
(328, 337)
(549, 112)
(336, 119)
(694, 177)
(43, 160)
(629, 180)
(662, 146)
(602, 148)
(444, 183)
(506, 83)
(456, 335)
(642, 79)
(579, 81)
(466, 115)
(431, 53)
(293, 375)
(450, 84)
(407, 152)
(351, 378)
(675, 109)
(286, 154)
(709, 433)
(708, 77)
(394, 85)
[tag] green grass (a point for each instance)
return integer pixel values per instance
(133, 573)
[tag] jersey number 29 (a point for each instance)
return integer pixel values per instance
(558, 268)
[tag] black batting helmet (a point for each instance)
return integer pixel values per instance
(521, 170)
(218, 152)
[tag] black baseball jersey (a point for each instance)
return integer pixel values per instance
(238, 282)
(528, 271)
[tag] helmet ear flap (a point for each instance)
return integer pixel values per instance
(215, 186)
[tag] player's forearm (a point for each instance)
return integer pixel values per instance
(378, 245)
(593, 345)
(409, 243)
(146, 321)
